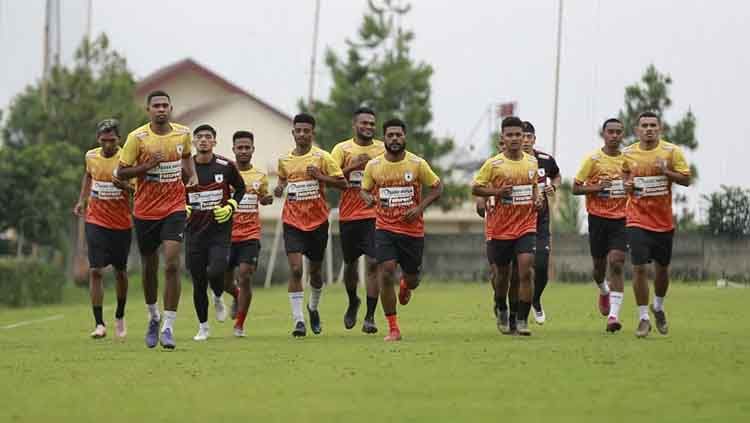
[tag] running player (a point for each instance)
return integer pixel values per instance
(600, 180)
(510, 178)
(396, 179)
(246, 229)
(158, 154)
(357, 222)
(650, 167)
(108, 224)
(210, 207)
(305, 171)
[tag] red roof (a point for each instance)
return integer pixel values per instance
(161, 76)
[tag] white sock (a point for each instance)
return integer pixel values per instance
(315, 297)
(658, 303)
(603, 287)
(643, 312)
(217, 300)
(153, 311)
(203, 326)
(295, 300)
(615, 301)
(169, 318)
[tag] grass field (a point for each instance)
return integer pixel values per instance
(453, 365)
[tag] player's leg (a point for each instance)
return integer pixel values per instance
(316, 242)
(245, 277)
(540, 274)
(172, 290)
(218, 261)
(195, 256)
(387, 257)
(513, 286)
(524, 248)
(615, 271)
(120, 265)
(148, 238)
(350, 248)
(232, 288)
(640, 256)
(410, 250)
(662, 258)
(296, 293)
(599, 245)
(96, 291)
(373, 292)
(98, 254)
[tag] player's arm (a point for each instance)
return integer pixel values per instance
(555, 179)
(188, 165)
(80, 206)
(677, 169)
(580, 184)
(368, 184)
(237, 183)
(264, 198)
(481, 206)
(427, 177)
(125, 171)
(481, 186)
(329, 173)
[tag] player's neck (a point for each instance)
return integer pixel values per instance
(301, 151)
(160, 128)
(391, 157)
(611, 151)
(203, 158)
(244, 166)
(514, 155)
(107, 154)
(649, 145)
(361, 142)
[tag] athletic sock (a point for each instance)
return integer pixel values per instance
(352, 294)
(392, 322)
(98, 315)
(523, 310)
(169, 318)
(315, 294)
(658, 303)
(603, 287)
(643, 312)
(120, 310)
(615, 301)
(500, 304)
(240, 323)
(295, 300)
(153, 311)
(372, 304)
(236, 293)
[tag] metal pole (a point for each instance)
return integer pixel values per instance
(274, 252)
(45, 63)
(557, 76)
(89, 12)
(311, 88)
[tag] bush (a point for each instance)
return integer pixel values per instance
(26, 282)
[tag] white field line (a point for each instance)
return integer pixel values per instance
(31, 322)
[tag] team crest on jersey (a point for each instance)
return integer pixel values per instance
(541, 172)
(179, 149)
(256, 185)
(219, 178)
(408, 176)
(531, 174)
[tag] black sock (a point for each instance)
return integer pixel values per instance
(523, 310)
(352, 293)
(500, 304)
(120, 311)
(98, 315)
(372, 304)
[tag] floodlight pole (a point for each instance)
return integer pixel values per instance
(311, 88)
(557, 76)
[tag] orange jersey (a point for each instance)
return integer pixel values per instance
(108, 206)
(512, 216)
(597, 167)
(397, 187)
(650, 204)
(305, 207)
(352, 207)
(160, 192)
(246, 221)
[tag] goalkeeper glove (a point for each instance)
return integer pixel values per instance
(188, 210)
(224, 213)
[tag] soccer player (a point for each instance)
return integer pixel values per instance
(600, 180)
(210, 207)
(549, 182)
(108, 223)
(304, 172)
(246, 230)
(510, 178)
(158, 155)
(357, 221)
(650, 167)
(393, 184)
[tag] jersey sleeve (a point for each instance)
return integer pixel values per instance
(482, 178)
(129, 153)
(585, 170)
(281, 170)
(236, 181)
(679, 163)
(187, 146)
(426, 175)
(263, 191)
(554, 170)
(337, 154)
(331, 168)
(368, 183)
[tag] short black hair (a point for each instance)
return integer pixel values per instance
(205, 127)
(394, 122)
(304, 118)
(363, 110)
(243, 134)
(511, 121)
(648, 115)
(108, 125)
(157, 93)
(608, 121)
(528, 127)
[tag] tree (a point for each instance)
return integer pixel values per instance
(566, 211)
(378, 72)
(41, 161)
(729, 212)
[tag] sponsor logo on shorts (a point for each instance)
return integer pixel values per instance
(219, 178)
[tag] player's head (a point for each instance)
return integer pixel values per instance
(158, 106)
(394, 133)
(204, 138)
(363, 122)
(512, 134)
(529, 137)
(612, 132)
(648, 126)
(303, 130)
(108, 135)
(243, 146)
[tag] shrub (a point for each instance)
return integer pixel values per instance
(26, 282)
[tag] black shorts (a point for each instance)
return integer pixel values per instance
(312, 243)
(648, 245)
(244, 252)
(357, 238)
(210, 247)
(502, 251)
(107, 246)
(151, 233)
(406, 250)
(606, 235)
(490, 250)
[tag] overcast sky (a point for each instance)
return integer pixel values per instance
(483, 52)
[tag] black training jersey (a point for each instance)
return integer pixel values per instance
(548, 170)
(218, 180)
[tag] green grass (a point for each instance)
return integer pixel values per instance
(453, 365)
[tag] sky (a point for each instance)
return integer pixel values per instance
(483, 52)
